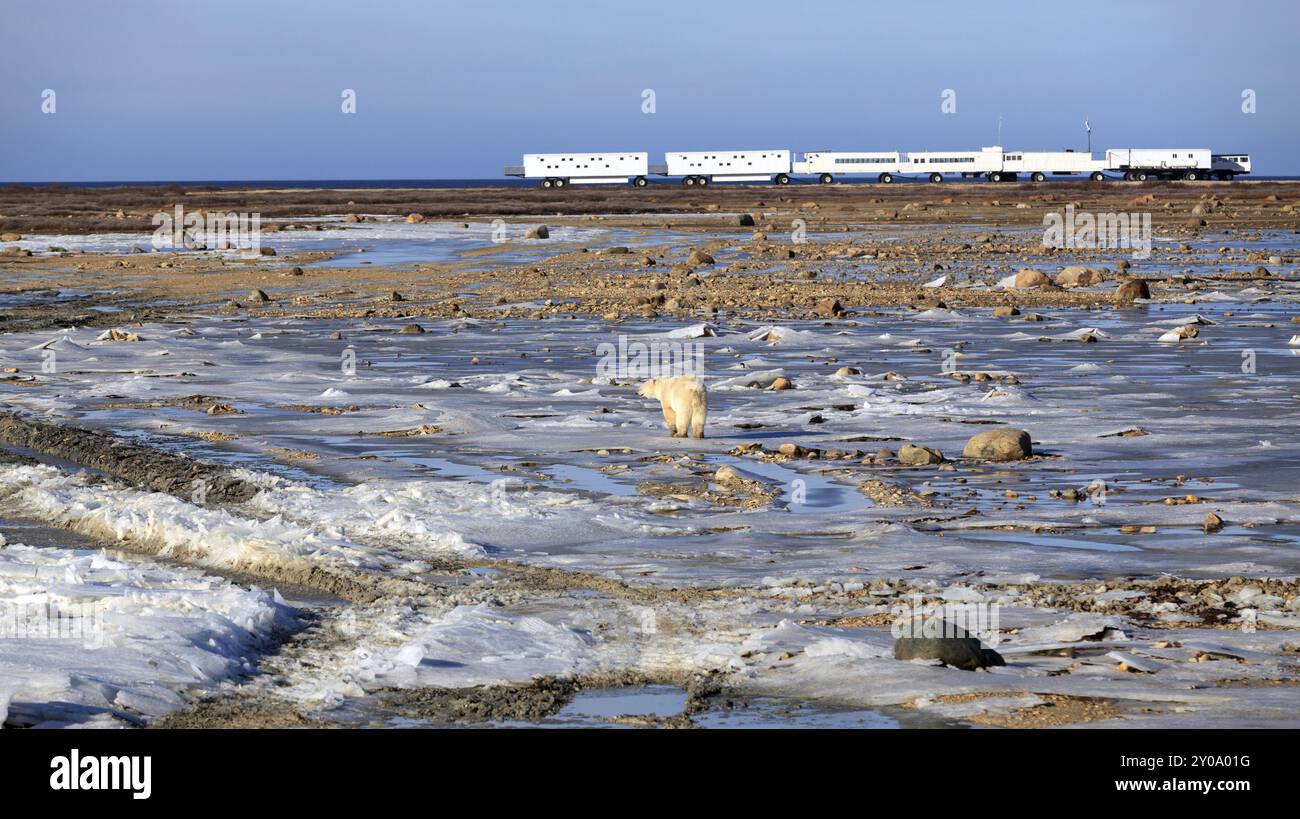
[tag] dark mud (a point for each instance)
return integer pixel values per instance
(143, 467)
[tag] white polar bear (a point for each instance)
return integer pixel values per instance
(684, 401)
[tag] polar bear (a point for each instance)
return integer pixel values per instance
(684, 401)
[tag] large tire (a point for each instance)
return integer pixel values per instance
(640, 182)
(993, 177)
(1098, 176)
(560, 183)
(688, 181)
(1038, 176)
(826, 179)
(1191, 176)
(782, 179)
(548, 183)
(885, 178)
(703, 181)
(936, 178)
(1140, 176)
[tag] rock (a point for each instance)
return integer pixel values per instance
(745, 220)
(759, 236)
(351, 218)
(9, 237)
(935, 639)
(726, 474)
(618, 250)
(780, 383)
(267, 251)
(1029, 279)
(1004, 444)
(699, 257)
(411, 330)
(395, 296)
(414, 218)
(258, 297)
(1212, 523)
(1005, 310)
(337, 335)
(1180, 334)
(791, 450)
(1132, 289)
(829, 307)
(913, 455)
(1078, 276)
(539, 232)
(15, 251)
(137, 249)
(842, 371)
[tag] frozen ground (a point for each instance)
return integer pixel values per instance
(468, 456)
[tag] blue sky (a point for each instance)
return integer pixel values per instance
(252, 90)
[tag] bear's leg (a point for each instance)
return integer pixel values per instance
(697, 422)
(671, 418)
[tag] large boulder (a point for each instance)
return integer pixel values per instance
(935, 639)
(414, 218)
(9, 237)
(1004, 444)
(699, 257)
(539, 232)
(1132, 289)
(913, 455)
(829, 307)
(1029, 279)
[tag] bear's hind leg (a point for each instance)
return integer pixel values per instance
(671, 418)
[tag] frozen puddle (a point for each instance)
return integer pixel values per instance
(1053, 541)
(638, 706)
(802, 492)
(604, 704)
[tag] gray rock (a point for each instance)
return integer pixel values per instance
(950, 644)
